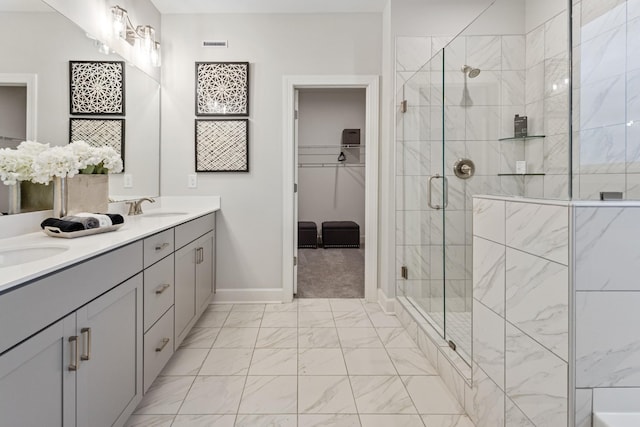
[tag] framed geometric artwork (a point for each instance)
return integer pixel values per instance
(99, 133)
(222, 145)
(222, 88)
(96, 87)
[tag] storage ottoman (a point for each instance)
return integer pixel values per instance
(340, 234)
(307, 234)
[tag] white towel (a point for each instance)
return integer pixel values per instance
(104, 220)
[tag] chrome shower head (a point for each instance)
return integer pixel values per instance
(470, 71)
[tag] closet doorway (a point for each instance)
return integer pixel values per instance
(330, 174)
(331, 166)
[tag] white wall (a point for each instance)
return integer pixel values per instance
(249, 227)
(330, 193)
(93, 16)
(13, 107)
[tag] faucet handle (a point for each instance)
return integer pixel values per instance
(138, 204)
(132, 207)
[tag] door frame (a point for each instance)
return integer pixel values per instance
(30, 81)
(372, 89)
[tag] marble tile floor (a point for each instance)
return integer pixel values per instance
(313, 362)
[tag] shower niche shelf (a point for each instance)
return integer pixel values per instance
(522, 138)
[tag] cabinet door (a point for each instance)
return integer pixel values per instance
(204, 270)
(185, 291)
(110, 371)
(36, 386)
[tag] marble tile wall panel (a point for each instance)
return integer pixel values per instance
(633, 186)
(413, 227)
(489, 219)
(633, 44)
(540, 230)
(633, 9)
(455, 54)
(534, 187)
(607, 346)
(537, 293)
(489, 274)
(489, 343)
(534, 85)
(556, 154)
(513, 52)
(606, 249)
(486, 156)
(513, 88)
(556, 187)
(590, 186)
(417, 126)
(584, 397)
(417, 87)
(556, 76)
(514, 417)
(597, 10)
(484, 52)
(485, 406)
(482, 123)
(535, 47)
(633, 147)
(604, 55)
(556, 116)
(412, 52)
(535, 113)
(633, 92)
(556, 35)
(485, 88)
(534, 155)
(536, 380)
(602, 103)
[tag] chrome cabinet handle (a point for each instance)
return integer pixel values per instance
(87, 355)
(164, 343)
(162, 246)
(73, 341)
(199, 255)
(445, 198)
(162, 288)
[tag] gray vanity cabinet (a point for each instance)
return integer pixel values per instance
(110, 367)
(83, 370)
(194, 269)
(36, 386)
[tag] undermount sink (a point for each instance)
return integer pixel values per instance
(162, 214)
(21, 255)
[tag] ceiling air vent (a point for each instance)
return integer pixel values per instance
(214, 43)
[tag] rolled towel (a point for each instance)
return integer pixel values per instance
(115, 218)
(64, 226)
(103, 219)
(87, 221)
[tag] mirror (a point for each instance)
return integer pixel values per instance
(36, 40)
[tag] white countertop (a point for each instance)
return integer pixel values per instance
(82, 248)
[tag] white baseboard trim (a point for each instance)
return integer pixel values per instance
(255, 295)
(387, 304)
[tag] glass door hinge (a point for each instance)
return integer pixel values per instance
(403, 106)
(404, 272)
(295, 261)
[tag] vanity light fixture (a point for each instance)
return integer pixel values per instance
(142, 37)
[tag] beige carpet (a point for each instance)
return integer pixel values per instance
(331, 273)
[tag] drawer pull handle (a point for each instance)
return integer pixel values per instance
(165, 341)
(162, 246)
(162, 288)
(73, 341)
(87, 355)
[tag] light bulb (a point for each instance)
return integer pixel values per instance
(119, 21)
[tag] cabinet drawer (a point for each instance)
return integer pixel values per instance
(157, 350)
(158, 290)
(157, 247)
(190, 231)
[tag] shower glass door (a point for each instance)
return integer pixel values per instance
(420, 195)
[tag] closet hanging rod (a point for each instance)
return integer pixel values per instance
(300, 147)
(324, 165)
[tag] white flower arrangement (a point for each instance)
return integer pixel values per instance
(40, 163)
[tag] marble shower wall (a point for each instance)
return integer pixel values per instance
(607, 297)
(520, 313)
(547, 109)
(606, 50)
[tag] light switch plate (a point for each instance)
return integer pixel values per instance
(128, 180)
(192, 180)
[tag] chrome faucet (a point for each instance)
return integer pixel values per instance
(135, 206)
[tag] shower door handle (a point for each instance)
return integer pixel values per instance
(445, 191)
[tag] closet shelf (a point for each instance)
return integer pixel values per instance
(521, 174)
(323, 165)
(522, 138)
(301, 147)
